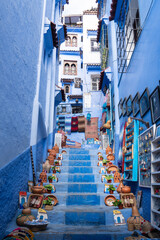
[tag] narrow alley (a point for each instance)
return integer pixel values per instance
(80, 120)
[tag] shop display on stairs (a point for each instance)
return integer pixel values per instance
(25, 216)
(131, 156)
(144, 158)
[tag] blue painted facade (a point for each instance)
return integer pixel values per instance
(142, 72)
(28, 75)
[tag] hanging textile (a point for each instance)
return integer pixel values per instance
(91, 130)
(60, 123)
(74, 124)
(68, 125)
(81, 124)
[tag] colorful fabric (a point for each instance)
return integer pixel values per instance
(68, 142)
(68, 125)
(60, 123)
(74, 124)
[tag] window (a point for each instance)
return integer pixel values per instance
(95, 82)
(128, 32)
(73, 69)
(70, 68)
(68, 41)
(77, 83)
(66, 69)
(74, 42)
(94, 45)
(63, 109)
(71, 41)
(77, 109)
(66, 88)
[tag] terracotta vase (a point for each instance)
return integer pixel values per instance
(54, 171)
(25, 216)
(56, 148)
(51, 160)
(47, 166)
(53, 153)
(50, 180)
(111, 191)
(119, 188)
(109, 181)
(120, 206)
(126, 189)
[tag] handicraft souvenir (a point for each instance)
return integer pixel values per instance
(109, 200)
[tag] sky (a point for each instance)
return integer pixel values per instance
(78, 6)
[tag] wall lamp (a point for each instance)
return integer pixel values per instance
(144, 122)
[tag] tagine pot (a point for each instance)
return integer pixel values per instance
(37, 189)
(126, 189)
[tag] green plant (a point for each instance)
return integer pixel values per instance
(105, 161)
(56, 162)
(50, 177)
(111, 188)
(58, 170)
(117, 202)
(53, 168)
(47, 201)
(48, 187)
(108, 177)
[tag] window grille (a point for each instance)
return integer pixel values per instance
(95, 82)
(67, 88)
(104, 51)
(66, 69)
(127, 33)
(77, 83)
(94, 45)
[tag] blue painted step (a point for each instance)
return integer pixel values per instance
(79, 157)
(78, 151)
(81, 178)
(92, 188)
(80, 170)
(83, 200)
(85, 218)
(79, 163)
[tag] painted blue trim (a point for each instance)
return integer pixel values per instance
(75, 53)
(91, 32)
(93, 68)
(72, 29)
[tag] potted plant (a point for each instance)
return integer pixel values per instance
(58, 170)
(118, 203)
(49, 188)
(108, 171)
(104, 162)
(111, 189)
(109, 178)
(53, 169)
(56, 163)
(100, 158)
(48, 203)
(50, 178)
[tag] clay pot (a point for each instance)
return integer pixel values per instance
(47, 166)
(53, 153)
(48, 207)
(25, 216)
(120, 206)
(119, 188)
(109, 181)
(108, 150)
(37, 189)
(111, 191)
(50, 180)
(51, 160)
(56, 148)
(126, 189)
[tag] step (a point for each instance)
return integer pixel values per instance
(72, 232)
(78, 151)
(83, 187)
(79, 157)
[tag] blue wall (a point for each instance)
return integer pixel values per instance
(20, 33)
(144, 71)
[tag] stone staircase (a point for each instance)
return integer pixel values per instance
(81, 212)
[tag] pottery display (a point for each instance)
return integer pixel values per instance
(37, 189)
(109, 150)
(110, 157)
(47, 166)
(117, 177)
(43, 176)
(119, 188)
(56, 148)
(25, 216)
(51, 159)
(126, 189)
(53, 153)
(134, 222)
